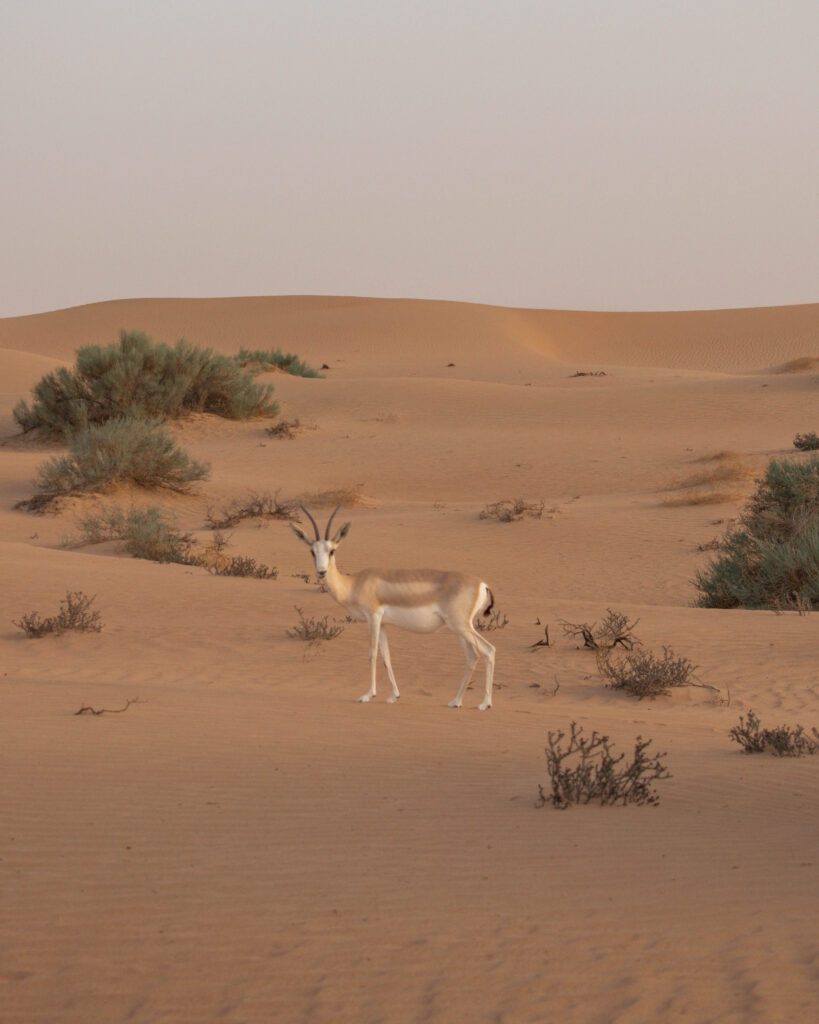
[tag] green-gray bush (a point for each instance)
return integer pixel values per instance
(139, 377)
(806, 442)
(123, 450)
(258, 360)
(771, 558)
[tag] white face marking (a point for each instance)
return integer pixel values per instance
(322, 553)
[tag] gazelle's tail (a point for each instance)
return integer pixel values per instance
(491, 604)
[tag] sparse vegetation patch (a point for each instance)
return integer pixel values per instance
(512, 510)
(783, 741)
(241, 565)
(75, 614)
(587, 770)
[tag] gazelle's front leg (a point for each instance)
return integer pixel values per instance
(471, 658)
(375, 631)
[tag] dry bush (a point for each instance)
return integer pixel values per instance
(314, 631)
(495, 620)
(587, 769)
(74, 614)
(588, 373)
(615, 630)
(347, 497)
(241, 565)
(512, 510)
(644, 674)
(253, 506)
(285, 430)
(783, 741)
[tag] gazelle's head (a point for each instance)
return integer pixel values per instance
(322, 549)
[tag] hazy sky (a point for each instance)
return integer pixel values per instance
(597, 154)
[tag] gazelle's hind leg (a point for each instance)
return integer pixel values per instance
(385, 654)
(471, 658)
(487, 650)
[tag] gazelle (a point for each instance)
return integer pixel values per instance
(421, 600)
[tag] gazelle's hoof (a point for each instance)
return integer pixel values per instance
(392, 700)
(485, 706)
(365, 699)
(454, 704)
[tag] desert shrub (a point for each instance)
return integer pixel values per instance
(806, 442)
(783, 741)
(253, 506)
(615, 630)
(644, 674)
(770, 559)
(241, 565)
(587, 769)
(314, 631)
(139, 377)
(74, 614)
(258, 360)
(126, 450)
(510, 511)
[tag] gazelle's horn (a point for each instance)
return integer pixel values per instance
(312, 520)
(329, 522)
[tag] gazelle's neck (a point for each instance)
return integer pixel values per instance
(338, 583)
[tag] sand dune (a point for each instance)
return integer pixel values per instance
(247, 843)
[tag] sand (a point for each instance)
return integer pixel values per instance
(247, 843)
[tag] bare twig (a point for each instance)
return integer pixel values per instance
(86, 709)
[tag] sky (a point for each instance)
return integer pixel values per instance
(576, 154)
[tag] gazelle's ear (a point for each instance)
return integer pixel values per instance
(301, 534)
(342, 533)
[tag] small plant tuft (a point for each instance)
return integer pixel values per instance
(241, 565)
(644, 674)
(783, 741)
(74, 614)
(260, 361)
(496, 620)
(511, 511)
(314, 631)
(587, 770)
(806, 442)
(285, 430)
